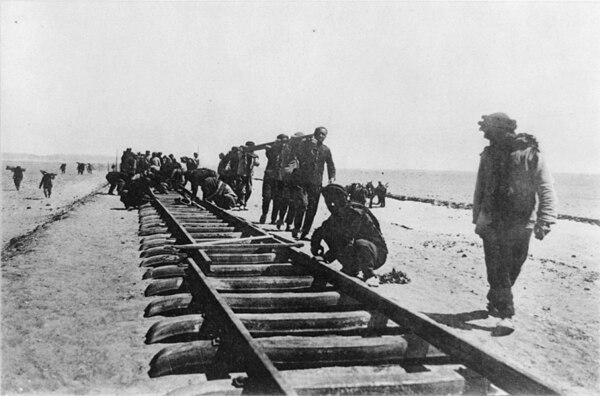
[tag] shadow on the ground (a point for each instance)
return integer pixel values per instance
(460, 320)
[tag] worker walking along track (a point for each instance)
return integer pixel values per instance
(240, 303)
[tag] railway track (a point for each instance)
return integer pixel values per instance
(237, 302)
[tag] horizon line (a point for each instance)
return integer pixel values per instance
(2, 155)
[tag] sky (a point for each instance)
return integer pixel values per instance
(399, 85)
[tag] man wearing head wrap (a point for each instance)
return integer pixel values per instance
(514, 196)
(352, 235)
(272, 184)
(312, 156)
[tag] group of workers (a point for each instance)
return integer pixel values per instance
(514, 198)
(138, 172)
(293, 180)
(236, 169)
(47, 177)
(81, 168)
(361, 193)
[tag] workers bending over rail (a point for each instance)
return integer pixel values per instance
(136, 191)
(17, 175)
(46, 182)
(512, 177)
(117, 180)
(196, 177)
(352, 235)
(218, 192)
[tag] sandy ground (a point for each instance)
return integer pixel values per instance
(72, 297)
(24, 210)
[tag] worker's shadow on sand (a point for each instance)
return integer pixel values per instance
(461, 320)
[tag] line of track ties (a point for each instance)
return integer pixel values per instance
(244, 304)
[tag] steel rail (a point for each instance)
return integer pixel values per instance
(256, 361)
(494, 368)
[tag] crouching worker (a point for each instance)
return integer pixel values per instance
(117, 180)
(218, 192)
(352, 235)
(136, 192)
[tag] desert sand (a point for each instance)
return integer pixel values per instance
(72, 293)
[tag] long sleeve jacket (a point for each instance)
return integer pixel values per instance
(312, 158)
(514, 187)
(274, 162)
(352, 222)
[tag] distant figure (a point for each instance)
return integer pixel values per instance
(512, 177)
(370, 192)
(46, 182)
(218, 192)
(194, 162)
(17, 175)
(89, 168)
(352, 234)
(63, 168)
(380, 192)
(80, 168)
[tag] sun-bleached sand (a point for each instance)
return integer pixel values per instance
(72, 297)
